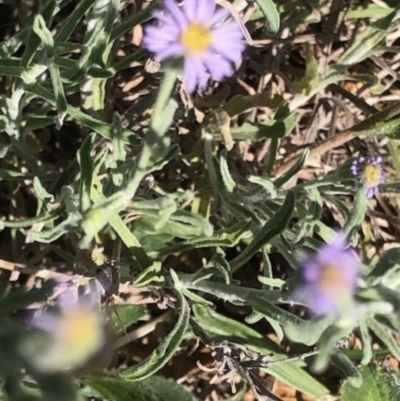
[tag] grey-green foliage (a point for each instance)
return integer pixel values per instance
(107, 193)
(220, 327)
(166, 349)
(123, 316)
(378, 384)
(156, 388)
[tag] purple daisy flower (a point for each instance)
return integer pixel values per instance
(74, 334)
(328, 279)
(370, 173)
(209, 42)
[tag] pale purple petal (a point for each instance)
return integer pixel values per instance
(371, 192)
(173, 50)
(158, 34)
(190, 9)
(339, 242)
(232, 52)
(228, 30)
(220, 15)
(200, 71)
(203, 82)
(156, 46)
(166, 18)
(46, 321)
(162, 16)
(311, 274)
(321, 304)
(190, 78)
(218, 67)
(176, 13)
(205, 11)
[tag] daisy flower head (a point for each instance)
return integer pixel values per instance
(202, 34)
(71, 336)
(369, 171)
(328, 279)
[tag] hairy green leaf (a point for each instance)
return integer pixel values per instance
(165, 350)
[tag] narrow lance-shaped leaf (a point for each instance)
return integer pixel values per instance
(272, 228)
(384, 335)
(343, 362)
(123, 316)
(136, 19)
(358, 212)
(271, 15)
(86, 165)
(40, 28)
(101, 18)
(366, 343)
(368, 40)
(227, 179)
(376, 386)
(231, 293)
(100, 127)
(293, 170)
(33, 40)
(254, 132)
(327, 344)
(119, 152)
(307, 332)
(72, 222)
(228, 237)
(264, 182)
(219, 327)
(165, 350)
(310, 80)
(155, 388)
(116, 222)
(272, 312)
(70, 23)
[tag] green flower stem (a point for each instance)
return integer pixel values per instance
(154, 141)
(358, 213)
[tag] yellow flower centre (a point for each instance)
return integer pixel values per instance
(332, 280)
(372, 175)
(80, 328)
(196, 39)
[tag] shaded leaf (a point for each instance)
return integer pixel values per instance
(350, 372)
(123, 316)
(310, 79)
(165, 350)
(377, 385)
(270, 14)
(222, 328)
(156, 388)
(271, 229)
